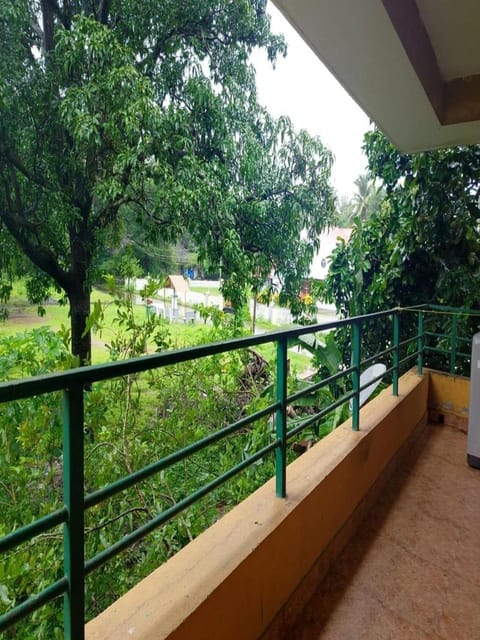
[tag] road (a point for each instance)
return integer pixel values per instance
(270, 313)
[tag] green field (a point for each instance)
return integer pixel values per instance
(23, 317)
(213, 291)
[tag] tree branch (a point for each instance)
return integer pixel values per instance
(20, 166)
(103, 11)
(200, 29)
(102, 525)
(41, 256)
(48, 32)
(110, 211)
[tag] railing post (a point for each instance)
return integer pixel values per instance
(396, 340)
(453, 344)
(420, 344)
(73, 487)
(356, 375)
(281, 419)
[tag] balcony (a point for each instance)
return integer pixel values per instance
(411, 570)
(372, 531)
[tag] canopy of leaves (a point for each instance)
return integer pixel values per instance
(146, 107)
(422, 245)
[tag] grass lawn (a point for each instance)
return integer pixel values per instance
(213, 291)
(23, 317)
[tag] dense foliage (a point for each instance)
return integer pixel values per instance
(422, 243)
(112, 111)
(131, 422)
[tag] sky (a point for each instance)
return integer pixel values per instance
(302, 88)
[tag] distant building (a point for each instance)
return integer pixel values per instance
(328, 241)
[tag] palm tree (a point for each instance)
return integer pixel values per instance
(345, 211)
(368, 198)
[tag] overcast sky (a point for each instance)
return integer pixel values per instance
(303, 89)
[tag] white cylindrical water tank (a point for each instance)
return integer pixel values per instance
(473, 438)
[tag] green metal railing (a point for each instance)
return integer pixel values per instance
(454, 347)
(400, 352)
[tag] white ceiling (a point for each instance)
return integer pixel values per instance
(357, 41)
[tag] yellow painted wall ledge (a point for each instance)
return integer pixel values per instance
(449, 397)
(233, 581)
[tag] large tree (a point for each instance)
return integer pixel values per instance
(421, 246)
(108, 106)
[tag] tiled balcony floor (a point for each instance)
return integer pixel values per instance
(413, 570)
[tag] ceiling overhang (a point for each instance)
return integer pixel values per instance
(412, 65)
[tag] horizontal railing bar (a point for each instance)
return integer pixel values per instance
(373, 316)
(432, 334)
(18, 389)
(461, 311)
(413, 307)
(403, 343)
(335, 404)
(29, 531)
(33, 603)
(389, 370)
(177, 456)
(444, 352)
(376, 356)
(175, 509)
(318, 385)
(318, 416)
(409, 357)
(447, 336)
(376, 379)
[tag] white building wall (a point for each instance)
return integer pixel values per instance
(328, 241)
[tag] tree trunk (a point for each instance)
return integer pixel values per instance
(79, 311)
